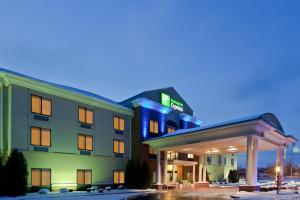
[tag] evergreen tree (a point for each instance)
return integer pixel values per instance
(131, 174)
(145, 176)
(233, 176)
(2, 177)
(16, 174)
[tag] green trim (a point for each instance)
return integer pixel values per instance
(1, 118)
(50, 89)
(9, 102)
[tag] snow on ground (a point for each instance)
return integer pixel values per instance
(283, 195)
(77, 195)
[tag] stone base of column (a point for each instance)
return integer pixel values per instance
(158, 186)
(249, 188)
(201, 184)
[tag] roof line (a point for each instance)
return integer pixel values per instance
(61, 90)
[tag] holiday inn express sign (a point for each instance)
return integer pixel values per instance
(167, 101)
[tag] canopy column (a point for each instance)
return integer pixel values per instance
(251, 170)
(165, 167)
(280, 159)
(204, 169)
(200, 169)
(158, 166)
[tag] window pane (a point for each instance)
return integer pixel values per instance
(81, 115)
(36, 104)
(81, 142)
(151, 126)
(122, 124)
(46, 179)
(116, 123)
(88, 177)
(46, 137)
(89, 142)
(121, 147)
(116, 177)
(80, 177)
(116, 146)
(89, 116)
(46, 107)
(156, 127)
(122, 177)
(35, 177)
(35, 136)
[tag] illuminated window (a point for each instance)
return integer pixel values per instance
(119, 177)
(152, 150)
(119, 147)
(119, 123)
(171, 155)
(84, 177)
(190, 156)
(85, 142)
(153, 126)
(85, 115)
(40, 177)
(171, 129)
(40, 136)
(40, 105)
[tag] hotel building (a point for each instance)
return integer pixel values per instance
(72, 138)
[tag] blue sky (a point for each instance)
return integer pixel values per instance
(228, 59)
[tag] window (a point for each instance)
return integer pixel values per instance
(40, 105)
(85, 115)
(190, 156)
(84, 177)
(85, 142)
(219, 159)
(119, 123)
(208, 160)
(232, 161)
(224, 160)
(119, 177)
(171, 155)
(40, 177)
(118, 146)
(153, 126)
(40, 136)
(171, 129)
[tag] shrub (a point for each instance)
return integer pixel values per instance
(137, 175)
(16, 174)
(145, 176)
(2, 177)
(233, 176)
(131, 174)
(207, 176)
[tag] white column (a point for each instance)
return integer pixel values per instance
(165, 167)
(174, 180)
(200, 169)
(251, 170)
(204, 169)
(280, 159)
(194, 175)
(158, 172)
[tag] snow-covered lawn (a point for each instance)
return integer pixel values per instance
(283, 195)
(76, 195)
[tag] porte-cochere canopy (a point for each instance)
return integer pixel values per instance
(251, 134)
(226, 137)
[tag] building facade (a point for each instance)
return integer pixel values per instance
(72, 138)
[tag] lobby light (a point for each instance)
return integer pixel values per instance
(213, 151)
(231, 149)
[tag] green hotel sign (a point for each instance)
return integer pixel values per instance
(167, 101)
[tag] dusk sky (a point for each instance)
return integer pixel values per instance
(228, 59)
